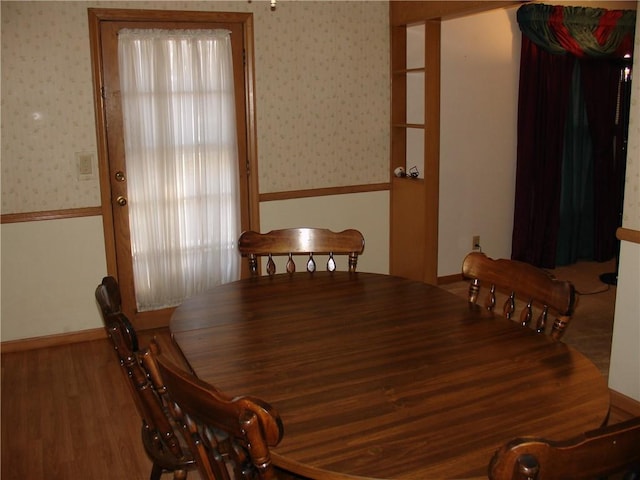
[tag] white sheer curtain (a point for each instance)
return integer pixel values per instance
(182, 161)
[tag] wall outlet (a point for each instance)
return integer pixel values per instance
(475, 242)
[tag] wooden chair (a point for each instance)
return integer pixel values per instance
(108, 296)
(228, 437)
(595, 454)
(160, 435)
(109, 300)
(521, 281)
(300, 241)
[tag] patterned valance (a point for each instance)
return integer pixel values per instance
(581, 31)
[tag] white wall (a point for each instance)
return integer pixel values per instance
(624, 370)
(366, 212)
(479, 92)
(50, 270)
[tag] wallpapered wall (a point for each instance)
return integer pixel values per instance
(318, 125)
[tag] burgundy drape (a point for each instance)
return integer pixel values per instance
(545, 83)
(554, 38)
(600, 76)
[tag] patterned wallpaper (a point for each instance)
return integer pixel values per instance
(47, 107)
(322, 96)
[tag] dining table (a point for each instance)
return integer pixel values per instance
(381, 377)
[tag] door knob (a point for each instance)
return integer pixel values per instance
(121, 201)
(119, 176)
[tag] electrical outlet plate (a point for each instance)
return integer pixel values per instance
(475, 242)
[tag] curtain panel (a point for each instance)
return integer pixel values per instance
(561, 45)
(182, 161)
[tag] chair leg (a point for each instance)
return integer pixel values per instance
(156, 472)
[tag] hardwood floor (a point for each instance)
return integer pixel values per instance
(67, 412)
(592, 325)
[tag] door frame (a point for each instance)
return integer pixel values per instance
(250, 216)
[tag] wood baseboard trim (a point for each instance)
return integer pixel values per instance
(624, 406)
(52, 340)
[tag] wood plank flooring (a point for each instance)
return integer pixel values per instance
(66, 411)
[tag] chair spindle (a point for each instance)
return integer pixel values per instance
(491, 299)
(509, 306)
(291, 265)
(530, 288)
(526, 314)
(542, 319)
(311, 264)
(331, 263)
(474, 291)
(271, 266)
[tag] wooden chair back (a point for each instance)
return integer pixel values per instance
(228, 437)
(108, 296)
(595, 454)
(301, 241)
(530, 286)
(160, 437)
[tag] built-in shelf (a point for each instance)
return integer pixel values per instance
(415, 136)
(415, 132)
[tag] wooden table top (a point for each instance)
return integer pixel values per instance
(376, 376)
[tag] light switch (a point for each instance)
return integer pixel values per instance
(85, 165)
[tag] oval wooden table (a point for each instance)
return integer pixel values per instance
(376, 376)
